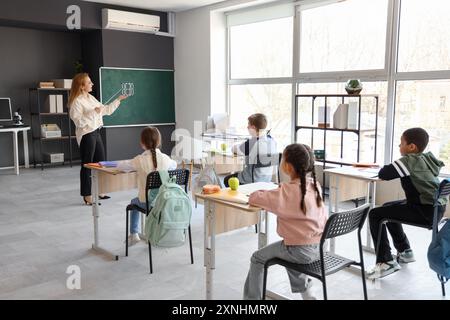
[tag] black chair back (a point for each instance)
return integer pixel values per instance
(154, 181)
(341, 223)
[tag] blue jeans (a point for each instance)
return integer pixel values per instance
(136, 216)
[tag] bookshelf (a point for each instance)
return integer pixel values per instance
(358, 131)
(40, 114)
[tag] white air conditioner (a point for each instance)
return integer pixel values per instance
(129, 21)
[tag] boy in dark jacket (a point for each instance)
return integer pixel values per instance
(418, 173)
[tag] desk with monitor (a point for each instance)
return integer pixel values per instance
(6, 125)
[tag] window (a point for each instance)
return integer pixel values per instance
(262, 49)
(343, 36)
(274, 100)
(424, 41)
(418, 103)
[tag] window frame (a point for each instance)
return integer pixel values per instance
(389, 73)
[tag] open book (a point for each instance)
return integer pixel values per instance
(242, 194)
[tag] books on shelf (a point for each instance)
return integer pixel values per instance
(54, 103)
(340, 117)
(321, 122)
(346, 116)
(62, 83)
(46, 84)
(352, 115)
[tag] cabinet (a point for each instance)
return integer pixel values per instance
(327, 105)
(40, 114)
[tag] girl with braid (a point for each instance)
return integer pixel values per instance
(301, 218)
(150, 160)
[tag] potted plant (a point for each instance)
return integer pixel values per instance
(353, 86)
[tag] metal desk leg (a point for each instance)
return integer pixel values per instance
(371, 192)
(25, 148)
(262, 225)
(210, 246)
(335, 192)
(16, 152)
(96, 215)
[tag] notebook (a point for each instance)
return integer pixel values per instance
(108, 164)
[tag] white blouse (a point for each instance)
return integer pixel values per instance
(86, 119)
(143, 164)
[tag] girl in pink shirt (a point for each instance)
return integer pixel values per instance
(301, 218)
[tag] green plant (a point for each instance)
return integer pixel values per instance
(78, 66)
(354, 83)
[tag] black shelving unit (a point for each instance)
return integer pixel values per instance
(324, 129)
(41, 116)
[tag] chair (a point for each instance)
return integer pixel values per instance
(338, 224)
(443, 192)
(154, 182)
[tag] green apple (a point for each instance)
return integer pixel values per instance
(223, 146)
(233, 183)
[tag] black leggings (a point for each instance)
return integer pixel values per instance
(91, 150)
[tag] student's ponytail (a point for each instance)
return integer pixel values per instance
(151, 139)
(301, 158)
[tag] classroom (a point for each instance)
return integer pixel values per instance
(224, 150)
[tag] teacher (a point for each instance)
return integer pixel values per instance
(87, 114)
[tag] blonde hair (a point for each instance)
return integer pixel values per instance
(77, 84)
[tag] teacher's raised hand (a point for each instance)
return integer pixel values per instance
(122, 97)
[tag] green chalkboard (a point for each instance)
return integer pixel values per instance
(153, 99)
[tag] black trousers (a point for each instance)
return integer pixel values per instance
(91, 150)
(398, 210)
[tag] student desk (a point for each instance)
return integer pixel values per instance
(350, 188)
(221, 216)
(15, 132)
(107, 180)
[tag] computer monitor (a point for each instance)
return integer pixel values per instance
(5, 109)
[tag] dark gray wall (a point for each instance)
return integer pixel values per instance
(135, 50)
(26, 57)
(52, 13)
(35, 45)
(127, 141)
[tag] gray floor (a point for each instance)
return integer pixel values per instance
(44, 229)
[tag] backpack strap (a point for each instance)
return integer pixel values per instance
(164, 176)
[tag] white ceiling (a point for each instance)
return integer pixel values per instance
(160, 5)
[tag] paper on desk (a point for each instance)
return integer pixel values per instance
(248, 189)
(108, 164)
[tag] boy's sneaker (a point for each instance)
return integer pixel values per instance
(133, 239)
(406, 256)
(383, 269)
(308, 295)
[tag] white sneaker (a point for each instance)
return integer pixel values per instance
(383, 269)
(308, 294)
(133, 239)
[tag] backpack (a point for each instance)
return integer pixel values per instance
(439, 251)
(206, 176)
(166, 224)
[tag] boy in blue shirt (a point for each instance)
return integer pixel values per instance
(418, 173)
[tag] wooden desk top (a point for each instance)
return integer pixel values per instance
(112, 171)
(245, 207)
